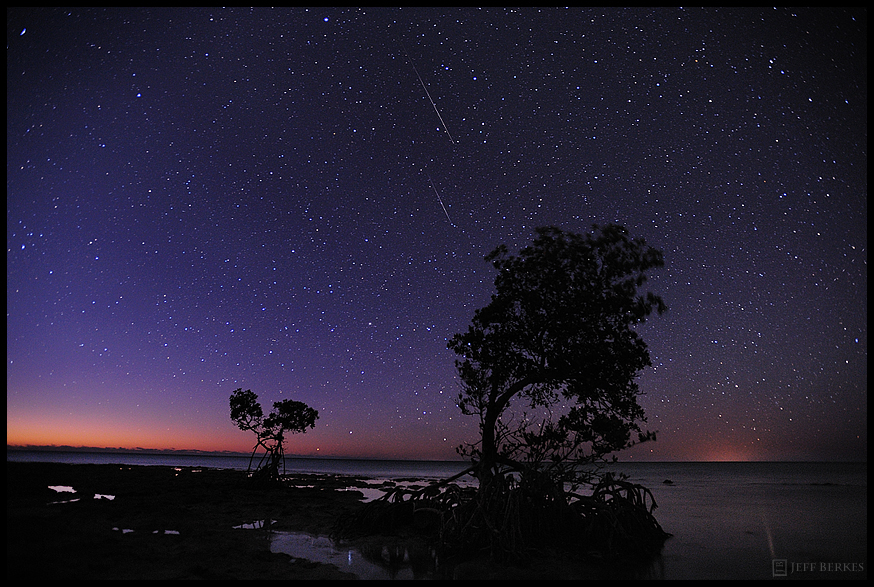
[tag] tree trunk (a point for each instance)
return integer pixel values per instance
(489, 454)
(497, 403)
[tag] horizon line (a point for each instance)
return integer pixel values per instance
(196, 452)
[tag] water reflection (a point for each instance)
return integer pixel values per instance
(62, 488)
(409, 559)
(256, 525)
(69, 489)
(377, 560)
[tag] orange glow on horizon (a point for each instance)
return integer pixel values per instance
(85, 432)
(89, 432)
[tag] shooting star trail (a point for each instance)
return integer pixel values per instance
(427, 93)
(439, 199)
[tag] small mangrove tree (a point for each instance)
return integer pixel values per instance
(287, 416)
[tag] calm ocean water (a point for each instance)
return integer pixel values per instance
(728, 520)
(755, 520)
(382, 469)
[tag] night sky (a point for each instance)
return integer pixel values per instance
(298, 202)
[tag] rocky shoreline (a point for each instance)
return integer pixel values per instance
(160, 523)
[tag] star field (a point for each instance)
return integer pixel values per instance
(298, 202)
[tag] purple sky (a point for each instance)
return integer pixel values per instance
(205, 199)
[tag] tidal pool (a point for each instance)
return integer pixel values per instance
(400, 562)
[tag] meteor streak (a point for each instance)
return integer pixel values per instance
(439, 199)
(427, 93)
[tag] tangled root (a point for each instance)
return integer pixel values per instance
(508, 518)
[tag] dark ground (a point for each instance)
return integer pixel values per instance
(83, 539)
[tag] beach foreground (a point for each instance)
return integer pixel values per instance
(162, 523)
(185, 523)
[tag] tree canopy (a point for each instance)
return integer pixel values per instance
(287, 416)
(558, 339)
(549, 367)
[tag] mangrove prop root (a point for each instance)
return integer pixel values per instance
(507, 518)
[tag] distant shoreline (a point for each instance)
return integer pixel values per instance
(119, 450)
(196, 453)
